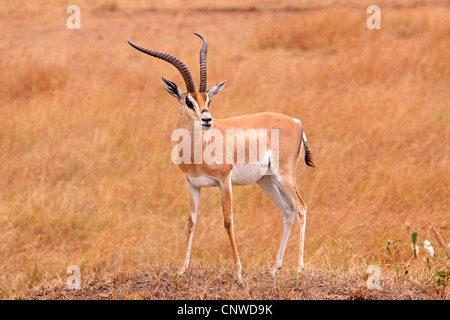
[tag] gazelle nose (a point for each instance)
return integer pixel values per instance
(206, 117)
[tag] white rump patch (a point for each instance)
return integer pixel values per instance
(298, 121)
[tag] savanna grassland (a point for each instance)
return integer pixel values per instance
(86, 176)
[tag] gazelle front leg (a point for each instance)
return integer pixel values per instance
(227, 209)
(193, 208)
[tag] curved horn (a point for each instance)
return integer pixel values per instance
(203, 53)
(177, 63)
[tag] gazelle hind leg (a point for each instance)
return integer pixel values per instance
(274, 187)
(288, 219)
(301, 210)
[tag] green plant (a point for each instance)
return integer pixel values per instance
(414, 240)
(443, 278)
(395, 245)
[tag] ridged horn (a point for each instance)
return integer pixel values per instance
(177, 63)
(203, 53)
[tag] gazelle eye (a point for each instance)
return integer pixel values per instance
(189, 103)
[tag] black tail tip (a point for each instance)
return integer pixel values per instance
(308, 159)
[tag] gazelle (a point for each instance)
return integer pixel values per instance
(194, 113)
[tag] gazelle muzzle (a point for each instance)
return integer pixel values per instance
(206, 118)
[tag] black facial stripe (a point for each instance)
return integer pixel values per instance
(189, 103)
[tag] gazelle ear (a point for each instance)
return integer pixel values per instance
(216, 89)
(172, 88)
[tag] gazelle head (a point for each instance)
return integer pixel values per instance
(194, 105)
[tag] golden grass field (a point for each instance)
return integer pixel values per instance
(86, 176)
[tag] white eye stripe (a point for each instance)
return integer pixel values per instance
(194, 103)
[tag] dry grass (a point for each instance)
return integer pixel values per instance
(86, 176)
(216, 283)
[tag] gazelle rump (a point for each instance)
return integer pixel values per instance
(278, 183)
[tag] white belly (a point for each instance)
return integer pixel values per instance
(243, 174)
(200, 182)
(240, 175)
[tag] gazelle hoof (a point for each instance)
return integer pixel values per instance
(273, 271)
(182, 270)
